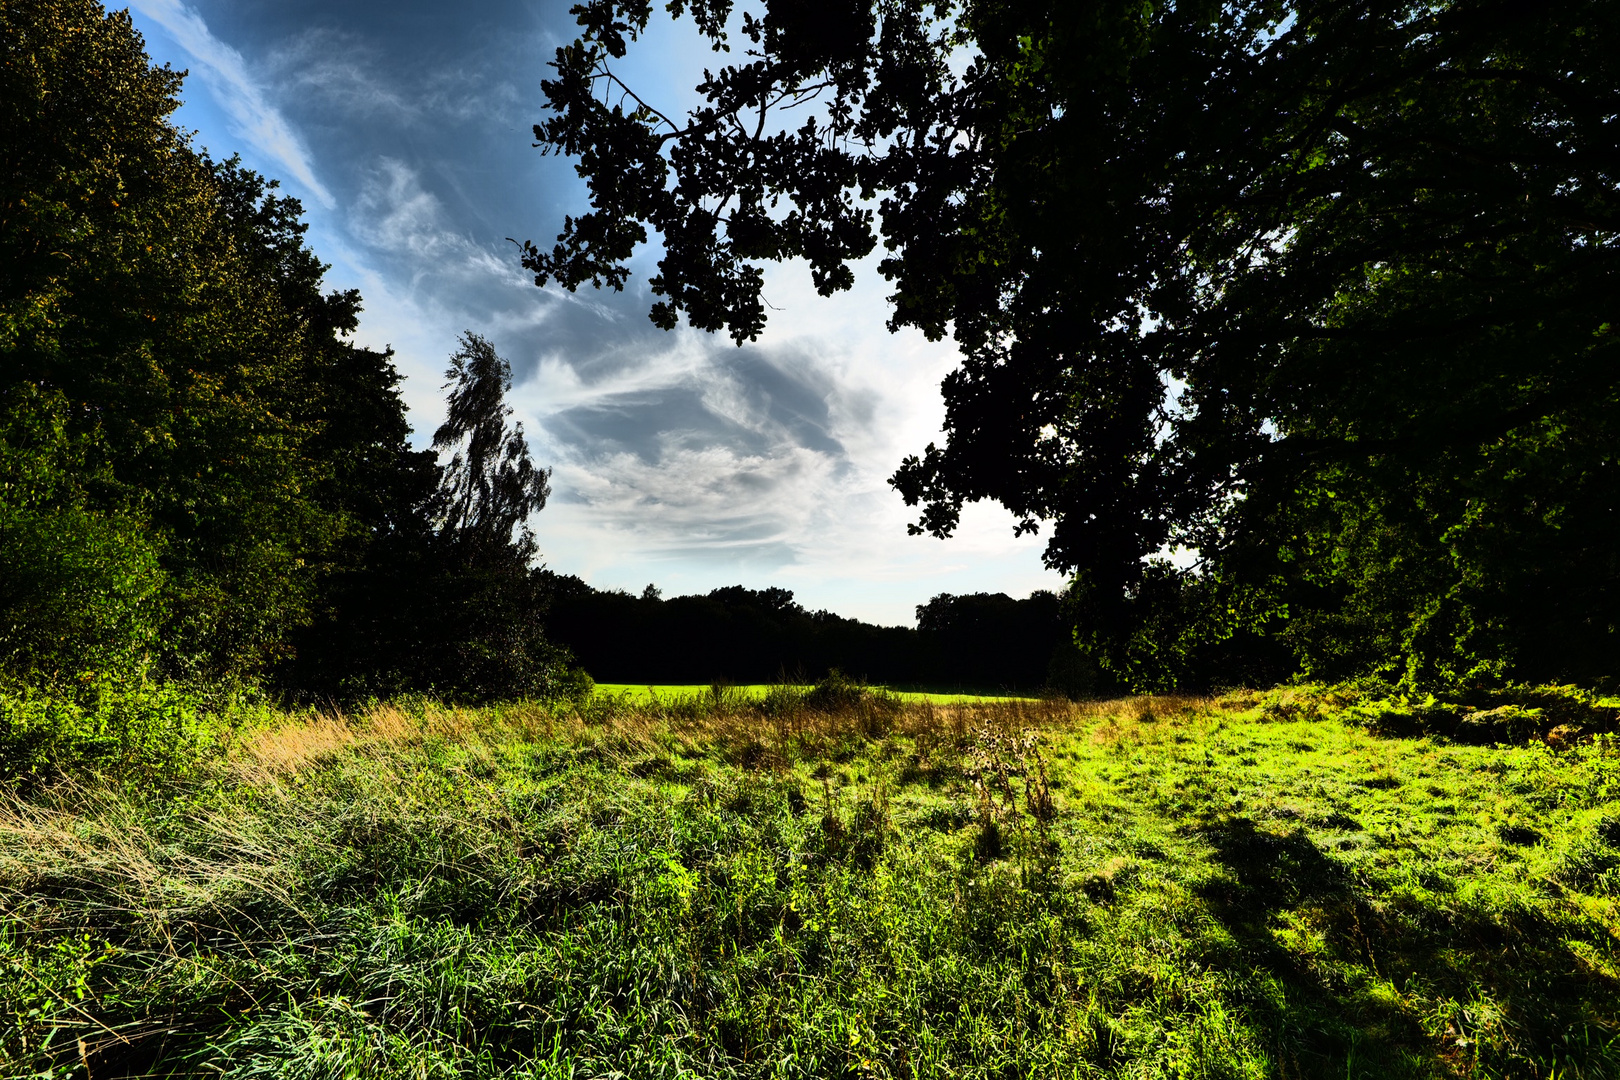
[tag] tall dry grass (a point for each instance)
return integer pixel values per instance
(308, 741)
(80, 838)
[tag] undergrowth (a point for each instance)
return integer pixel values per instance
(844, 885)
(123, 727)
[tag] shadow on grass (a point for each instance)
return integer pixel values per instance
(1395, 988)
(1319, 1026)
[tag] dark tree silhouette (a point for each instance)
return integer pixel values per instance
(979, 643)
(490, 487)
(450, 602)
(1325, 289)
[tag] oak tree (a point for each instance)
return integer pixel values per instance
(1324, 291)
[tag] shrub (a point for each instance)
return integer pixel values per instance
(840, 693)
(79, 589)
(122, 726)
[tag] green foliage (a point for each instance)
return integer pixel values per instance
(1494, 571)
(1323, 290)
(1174, 630)
(170, 374)
(80, 588)
(119, 727)
(447, 601)
(575, 684)
(838, 693)
(1073, 673)
(491, 486)
(1197, 889)
(1512, 714)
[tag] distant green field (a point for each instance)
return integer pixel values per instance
(637, 693)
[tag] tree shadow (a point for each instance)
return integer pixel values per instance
(1503, 986)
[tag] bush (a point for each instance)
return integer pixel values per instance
(121, 726)
(79, 589)
(575, 685)
(840, 693)
(1513, 714)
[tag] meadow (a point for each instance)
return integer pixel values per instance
(824, 882)
(668, 694)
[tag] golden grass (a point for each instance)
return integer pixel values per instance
(78, 839)
(311, 740)
(293, 746)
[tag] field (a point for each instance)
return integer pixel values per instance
(746, 885)
(670, 693)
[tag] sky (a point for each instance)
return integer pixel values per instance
(678, 458)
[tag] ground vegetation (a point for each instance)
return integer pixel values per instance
(828, 881)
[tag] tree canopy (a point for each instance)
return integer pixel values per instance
(201, 474)
(173, 372)
(490, 487)
(1323, 291)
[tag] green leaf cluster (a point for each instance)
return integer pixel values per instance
(1322, 290)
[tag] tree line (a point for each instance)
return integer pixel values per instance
(978, 642)
(202, 477)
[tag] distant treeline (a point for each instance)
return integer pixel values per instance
(983, 641)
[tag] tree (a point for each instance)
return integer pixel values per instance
(447, 600)
(490, 487)
(991, 640)
(479, 630)
(191, 452)
(1297, 285)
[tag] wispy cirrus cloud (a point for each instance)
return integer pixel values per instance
(225, 72)
(353, 79)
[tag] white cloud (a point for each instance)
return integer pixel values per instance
(708, 496)
(350, 75)
(224, 71)
(339, 69)
(679, 458)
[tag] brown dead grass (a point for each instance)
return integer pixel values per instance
(293, 746)
(311, 740)
(1150, 717)
(81, 841)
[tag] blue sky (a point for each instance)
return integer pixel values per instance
(678, 457)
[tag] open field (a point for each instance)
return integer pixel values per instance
(1255, 886)
(639, 695)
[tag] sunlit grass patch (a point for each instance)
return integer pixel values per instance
(637, 694)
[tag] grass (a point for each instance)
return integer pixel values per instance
(1255, 886)
(638, 694)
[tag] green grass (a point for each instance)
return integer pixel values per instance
(639, 695)
(1253, 887)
